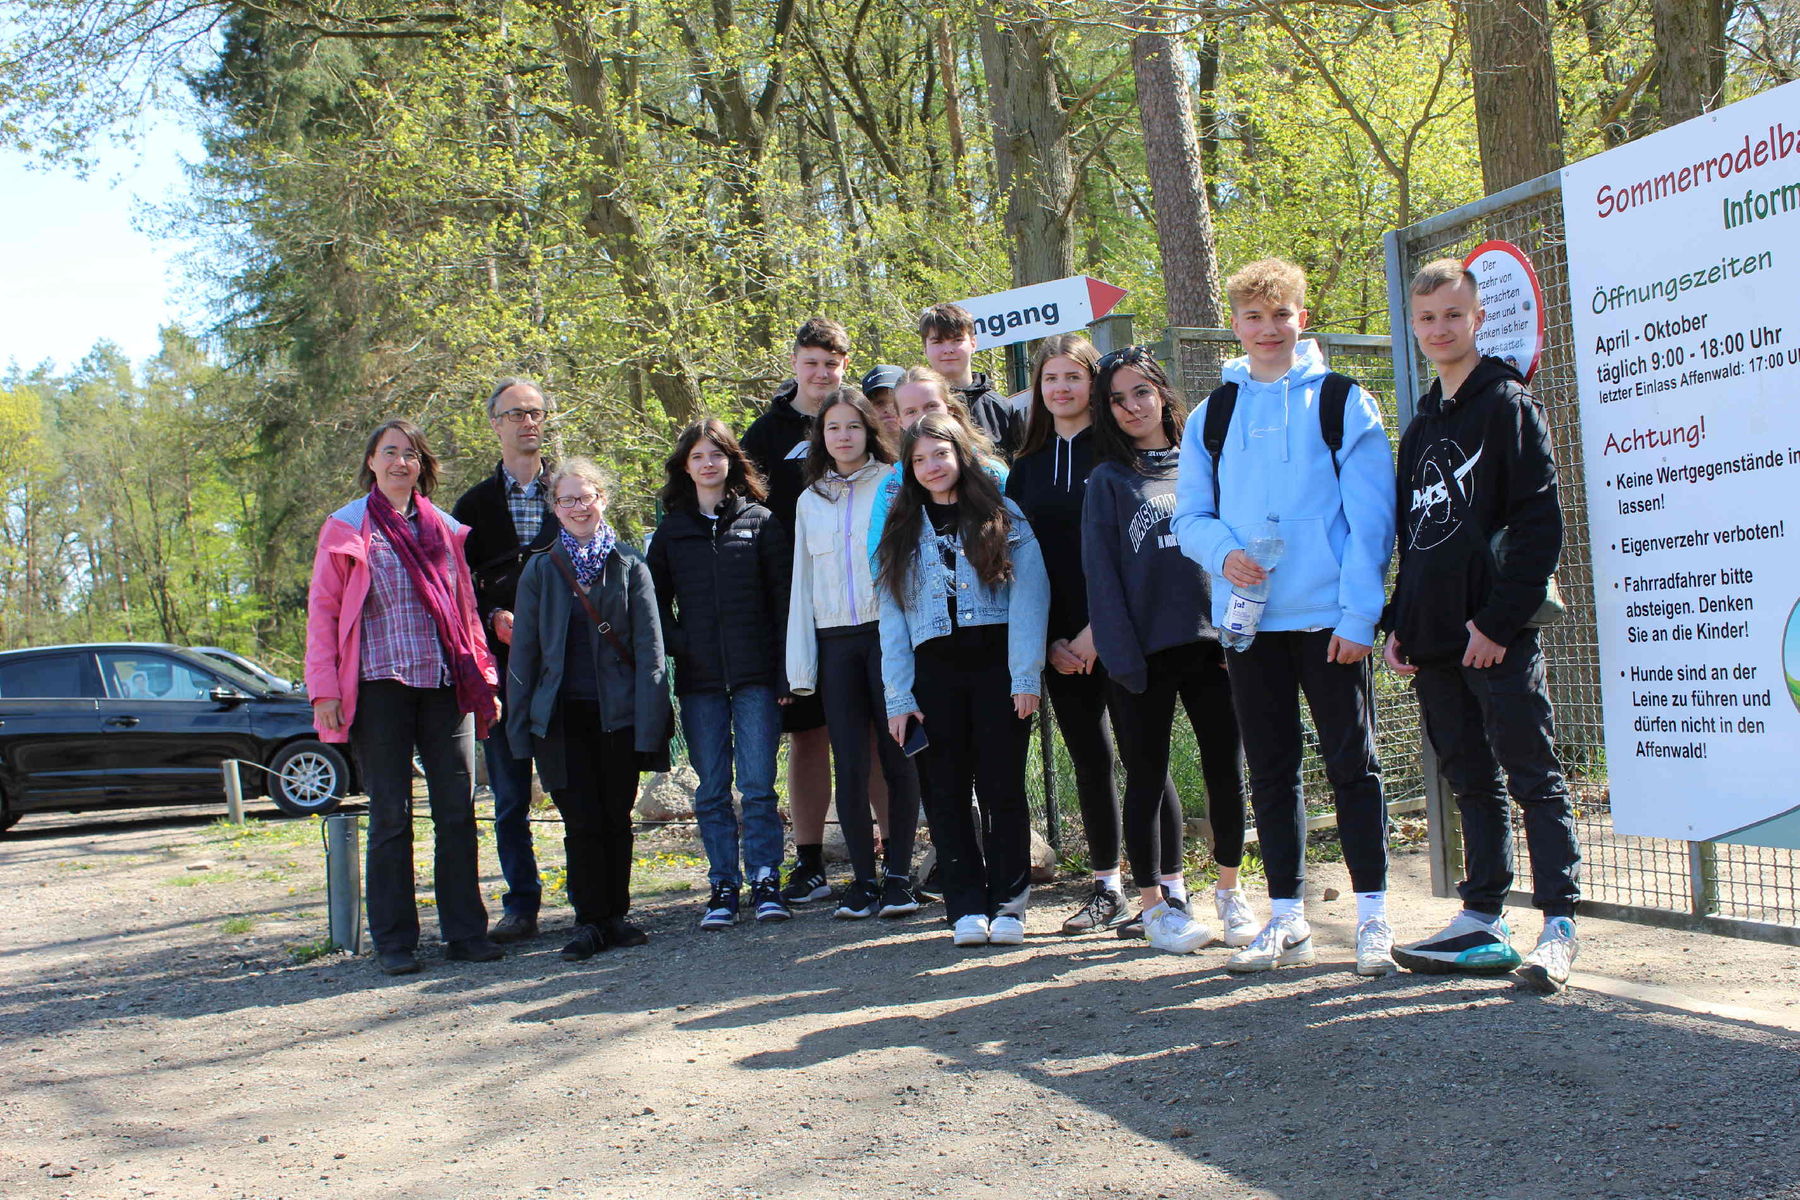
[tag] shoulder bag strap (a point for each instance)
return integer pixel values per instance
(606, 630)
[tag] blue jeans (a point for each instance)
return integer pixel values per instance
(742, 726)
(510, 779)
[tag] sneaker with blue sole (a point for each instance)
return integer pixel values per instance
(1468, 945)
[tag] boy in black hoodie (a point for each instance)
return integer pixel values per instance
(948, 334)
(1476, 461)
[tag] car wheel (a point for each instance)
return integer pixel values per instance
(308, 778)
(8, 818)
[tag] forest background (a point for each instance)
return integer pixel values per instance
(636, 201)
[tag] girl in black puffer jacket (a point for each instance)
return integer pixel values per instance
(721, 564)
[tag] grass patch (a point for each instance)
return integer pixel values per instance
(201, 878)
(233, 926)
(257, 832)
(305, 952)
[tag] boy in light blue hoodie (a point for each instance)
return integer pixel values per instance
(1336, 510)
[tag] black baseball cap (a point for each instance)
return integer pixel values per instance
(884, 376)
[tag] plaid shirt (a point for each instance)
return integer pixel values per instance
(399, 638)
(528, 503)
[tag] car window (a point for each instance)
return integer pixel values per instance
(134, 675)
(50, 676)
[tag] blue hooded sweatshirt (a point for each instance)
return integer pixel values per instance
(1339, 528)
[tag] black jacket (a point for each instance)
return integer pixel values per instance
(634, 696)
(989, 409)
(776, 443)
(495, 556)
(1049, 485)
(1489, 444)
(1144, 594)
(722, 589)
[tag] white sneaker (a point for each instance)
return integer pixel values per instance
(1237, 920)
(971, 930)
(1006, 930)
(1169, 927)
(1546, 968)
(1375, 948)
(1285, 941)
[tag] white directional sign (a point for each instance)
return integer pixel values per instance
(1040, 310)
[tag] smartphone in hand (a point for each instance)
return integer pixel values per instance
(915, 737)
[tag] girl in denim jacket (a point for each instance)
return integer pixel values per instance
(964, 606)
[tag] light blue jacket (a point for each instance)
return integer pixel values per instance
(1023, 606)
(1339, 528)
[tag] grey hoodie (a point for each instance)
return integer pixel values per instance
(1144, 594)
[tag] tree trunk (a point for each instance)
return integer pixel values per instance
(1031, 144)
(1516, 118)
(1690, 52)
(1184, 229)
(613, 218)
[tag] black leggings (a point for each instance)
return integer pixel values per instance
(1080, 704)
(964, 690)
(1195, 675)
(850, 687)
(602, 775)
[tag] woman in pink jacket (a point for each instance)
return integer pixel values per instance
(396, 662)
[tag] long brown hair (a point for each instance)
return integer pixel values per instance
(428, 463)
(1039, 424)
(741, 476)
(1110, 442)
(819, 462)
(982, 520)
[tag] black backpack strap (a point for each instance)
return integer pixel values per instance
(1334, 394)
(1219, 407)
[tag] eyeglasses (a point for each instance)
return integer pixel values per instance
(410, 457)
(585, 500)
(1125, 356)
(518, 416)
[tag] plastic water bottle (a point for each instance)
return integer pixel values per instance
(1244, 611)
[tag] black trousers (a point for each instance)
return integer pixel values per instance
(393, 720)
(850, 686)
(1484, 722)
(1082, 704)
(1195, 676)
(601, 769)
(1266, 683)
(977, 745)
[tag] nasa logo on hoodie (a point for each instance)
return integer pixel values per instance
(1433, 518)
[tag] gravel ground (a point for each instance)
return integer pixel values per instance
(164, 1032)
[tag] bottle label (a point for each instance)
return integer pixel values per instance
(1243, 616)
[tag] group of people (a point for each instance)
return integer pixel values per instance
(894, 574)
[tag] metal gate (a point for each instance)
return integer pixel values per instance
(1743, 891)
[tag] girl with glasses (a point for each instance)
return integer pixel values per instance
(588, 698)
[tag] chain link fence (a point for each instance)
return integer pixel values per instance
(1740, 890)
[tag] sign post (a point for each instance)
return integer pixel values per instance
(1684, 258)
(1028, 313)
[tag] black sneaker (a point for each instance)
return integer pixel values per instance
(1130, 928)
(473, 949)
(397, 962)
(897, 899)
(931, 888)
(860, 900)
(621, 933)
(1104, 909)
(767, 901)
(587, 942)
(806, 885)
(721, 908)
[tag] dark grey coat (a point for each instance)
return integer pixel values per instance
(634, 697)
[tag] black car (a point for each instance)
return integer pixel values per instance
(120, 724)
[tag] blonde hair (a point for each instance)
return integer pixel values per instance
(1270, 280)
(1443, 272)
(584, 469)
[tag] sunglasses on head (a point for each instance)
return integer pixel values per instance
(1126, 356)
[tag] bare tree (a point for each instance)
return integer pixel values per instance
(1184, 228)
(1517, 121)
(1690, 56)
(1031, 142)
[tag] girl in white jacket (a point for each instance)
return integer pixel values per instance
(834, 646)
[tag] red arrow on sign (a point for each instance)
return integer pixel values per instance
(1102, 297)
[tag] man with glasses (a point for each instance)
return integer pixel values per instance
(509, 520)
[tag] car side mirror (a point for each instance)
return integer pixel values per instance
(227, 696)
